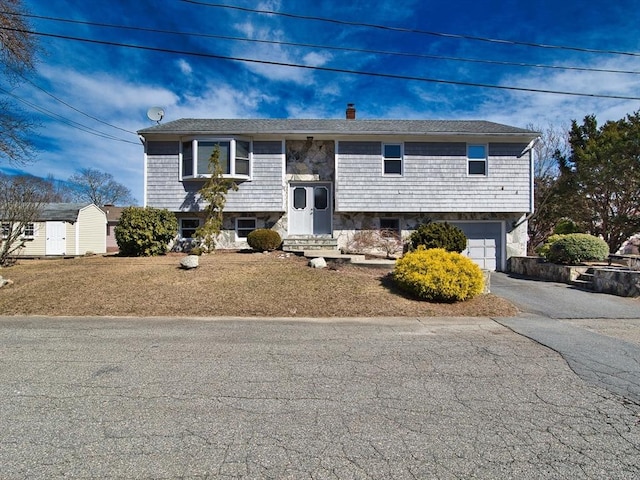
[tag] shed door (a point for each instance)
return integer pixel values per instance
(484, 243)
(56, 238)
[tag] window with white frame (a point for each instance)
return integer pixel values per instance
(392, 158)
(234, 157)
(29, 230)
(244, 226)
(188, 227)
(477, 159)
(6, 229)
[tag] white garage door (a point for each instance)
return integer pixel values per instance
(484, 243)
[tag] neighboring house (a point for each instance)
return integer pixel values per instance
(113, 218)
(65, 229)
(318, 182)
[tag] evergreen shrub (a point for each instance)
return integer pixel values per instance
(264, 240)
(144, 232)
(438, 275)
(576, 248)
(543, 250)
(438, 235)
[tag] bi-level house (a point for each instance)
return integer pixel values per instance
(323, 180)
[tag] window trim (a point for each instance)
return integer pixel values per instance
(180, 228)
(484, 160)
(255, 226)
(393, 159)
(232, 157)
(31, 235)
(5, 229)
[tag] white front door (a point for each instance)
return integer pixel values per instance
(310, 209)
(56, 238)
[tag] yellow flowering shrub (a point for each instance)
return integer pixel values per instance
(438, 275)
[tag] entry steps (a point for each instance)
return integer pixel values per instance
(354, 259)
(584, 280)
(302, 243)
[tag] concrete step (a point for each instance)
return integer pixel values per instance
(300, 244)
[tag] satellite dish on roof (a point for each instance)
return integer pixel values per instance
(155, 114)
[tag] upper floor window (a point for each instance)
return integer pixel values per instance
(477, 159)
(392, 159)
(234, 157)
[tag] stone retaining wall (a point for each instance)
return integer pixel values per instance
(617, 281)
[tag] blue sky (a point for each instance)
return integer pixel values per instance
(107, 89)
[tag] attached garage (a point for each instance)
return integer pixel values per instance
(484, 243)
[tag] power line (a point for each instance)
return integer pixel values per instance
(330, 69)
(332, 47)
(65, 120)
(411, 30)
(74, 108)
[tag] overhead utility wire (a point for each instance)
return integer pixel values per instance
(328, 69)
(411, 30)
(65, 120)
(331, 47)
(76, 109)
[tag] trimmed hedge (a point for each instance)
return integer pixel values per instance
(144, 232)
(576, 248)
(264, 240)
(438, 235)
(438, 275)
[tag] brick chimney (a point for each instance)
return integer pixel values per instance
(351, 111)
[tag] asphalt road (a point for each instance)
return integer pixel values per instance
(344, 399)
(597, 334)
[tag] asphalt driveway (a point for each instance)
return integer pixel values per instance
(597, 334)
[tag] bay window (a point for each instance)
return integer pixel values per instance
(234, 157)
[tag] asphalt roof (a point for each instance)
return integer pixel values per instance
(196, 126)
(61, 211)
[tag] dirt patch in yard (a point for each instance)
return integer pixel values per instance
(225, 284)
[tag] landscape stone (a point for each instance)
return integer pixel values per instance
(189, 262)
(317, 262)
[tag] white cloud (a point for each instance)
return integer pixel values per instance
(184, 67)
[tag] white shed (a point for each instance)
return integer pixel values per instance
(66, 229)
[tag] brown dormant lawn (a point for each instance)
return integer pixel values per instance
(225, 284)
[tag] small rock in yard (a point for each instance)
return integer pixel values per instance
(317, 262)
(5, 281)
(189, 262)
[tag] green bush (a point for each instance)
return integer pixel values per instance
(264, 240)
(543, 250)
(577, 247)
(438, 275)
(566, 226)
(438, 235)
(144, 232)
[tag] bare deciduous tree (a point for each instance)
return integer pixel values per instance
(20, 206)
(553, 140)
(95, 186)
(17, 54)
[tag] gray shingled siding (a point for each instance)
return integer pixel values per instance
(432, 183)
(264, 193)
